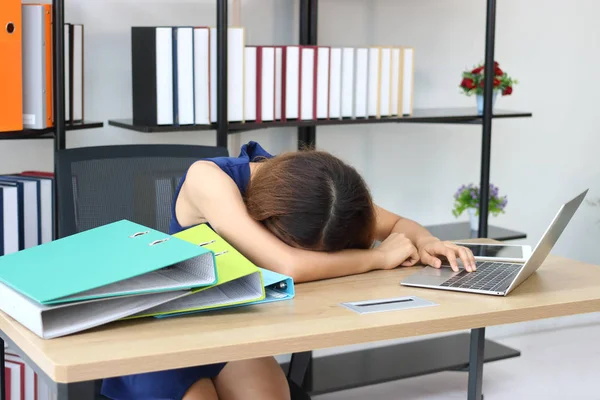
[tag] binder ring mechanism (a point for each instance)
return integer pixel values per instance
(151, 243)
(212, 241)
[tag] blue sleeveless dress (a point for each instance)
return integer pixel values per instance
(173, 384)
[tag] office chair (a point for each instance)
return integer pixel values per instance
(103, 184)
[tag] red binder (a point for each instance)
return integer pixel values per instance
(11, 74)
(7, 379)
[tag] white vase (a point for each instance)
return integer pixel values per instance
(473, 219)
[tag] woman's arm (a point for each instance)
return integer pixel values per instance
(428, 246)
(209, 192)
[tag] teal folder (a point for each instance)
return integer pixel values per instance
(118, 259)
(278, 287)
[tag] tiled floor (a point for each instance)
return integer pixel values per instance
(559, 364)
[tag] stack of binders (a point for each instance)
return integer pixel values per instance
(26, 210)
(174, 75)
(21, 381)
(26, 69)
(319, 82)
(124, 270)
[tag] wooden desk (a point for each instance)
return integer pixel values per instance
(313, 320)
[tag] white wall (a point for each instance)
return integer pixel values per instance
(412, 169)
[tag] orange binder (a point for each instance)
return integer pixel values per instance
(49, 67)
(11, 75)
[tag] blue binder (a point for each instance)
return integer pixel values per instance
(278, 287)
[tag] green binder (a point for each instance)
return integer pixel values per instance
(118, 259)
(239, 280)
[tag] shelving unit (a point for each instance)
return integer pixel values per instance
(347, 374)
(58, 132)
(306, 131)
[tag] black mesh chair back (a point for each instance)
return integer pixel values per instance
(104, 184)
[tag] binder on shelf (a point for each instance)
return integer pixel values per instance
(278, 82)
(374, 81)
(408, 76)
(335, 84)
(308, 82)
(45, 207)
(250, 83)
(11, 73)
(361, 80)
(347, 82)
(183, 45)
(77, 73)
(152, 75)
(202, 76)
(29, 385)
(68, 64)
(396, 82)
(49, 67)
(265, 94)
(34, 66)
(28, 205)
(15, 380)
(235, 73)
(240, 281)
(291, 82)
(322, 93)
(385, 83)
(9, 219)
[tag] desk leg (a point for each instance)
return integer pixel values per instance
(476, 364)
(2, 376)
(75, 391)
(299, 364)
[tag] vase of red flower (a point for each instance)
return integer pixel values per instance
(473, 81)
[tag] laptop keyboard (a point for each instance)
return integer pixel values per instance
(489, 276)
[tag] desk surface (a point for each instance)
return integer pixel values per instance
(313, 320)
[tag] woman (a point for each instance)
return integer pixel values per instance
(305, 214)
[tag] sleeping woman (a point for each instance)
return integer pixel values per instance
(305, 214)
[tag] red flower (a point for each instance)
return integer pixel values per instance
(467, 83)
(481, 83)
(507, 91)
(496, 82)
(496, 64)
(477, 70)
(498, 71)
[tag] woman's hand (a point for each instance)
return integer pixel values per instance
(431, 248)
(396, 250)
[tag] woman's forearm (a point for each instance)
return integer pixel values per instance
(311, 265)
(412, 230)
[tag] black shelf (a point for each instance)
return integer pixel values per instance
(47, 133)
(425, 115)
(383, 364)
(128, 124)
(462, 230)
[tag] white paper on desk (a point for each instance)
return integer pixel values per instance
(247, 288)
(50, 322)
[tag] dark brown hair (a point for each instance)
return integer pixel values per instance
(312, 200)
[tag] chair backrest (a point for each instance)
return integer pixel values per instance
(104, 184)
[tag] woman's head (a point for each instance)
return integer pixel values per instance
(312, 200)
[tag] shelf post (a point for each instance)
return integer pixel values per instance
(486, 137)
(308, 36)
(222, 87)
(58, 90)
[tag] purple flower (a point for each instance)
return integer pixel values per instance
(473, 195)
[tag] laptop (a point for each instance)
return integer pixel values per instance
(497, 278)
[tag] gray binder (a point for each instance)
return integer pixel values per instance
(34, 67)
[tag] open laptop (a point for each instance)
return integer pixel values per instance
(497, 278)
